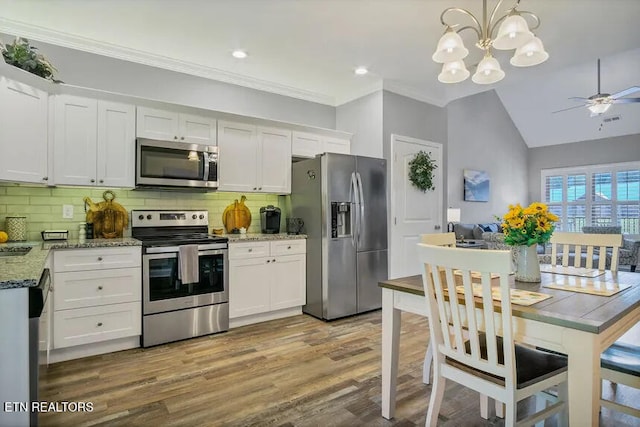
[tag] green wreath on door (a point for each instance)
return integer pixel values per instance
(421, 169)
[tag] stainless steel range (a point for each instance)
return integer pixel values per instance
(172, 309)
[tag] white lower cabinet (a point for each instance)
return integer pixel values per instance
(97, 294)
(265, 277)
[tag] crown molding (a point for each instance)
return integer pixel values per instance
(359, 93)
(412, 92)
(84, 44)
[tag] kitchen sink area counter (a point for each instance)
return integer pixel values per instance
(24, 270)
(260, 237)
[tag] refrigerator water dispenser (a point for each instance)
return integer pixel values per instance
(340, 219)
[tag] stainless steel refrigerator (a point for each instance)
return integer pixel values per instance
(343, 203)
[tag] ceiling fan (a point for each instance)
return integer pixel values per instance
(600, 102)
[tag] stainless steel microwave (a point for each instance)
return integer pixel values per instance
(176, 164)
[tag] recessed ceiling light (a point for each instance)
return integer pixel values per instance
(361, 71)
(240, 54)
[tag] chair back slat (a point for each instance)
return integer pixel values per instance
(439, 239)
(595, 244)
(451, 312)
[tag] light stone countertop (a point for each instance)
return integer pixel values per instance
(25, 270)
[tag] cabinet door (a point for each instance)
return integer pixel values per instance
(274, 160)
(249, 284)
(197, 129)
(75, 137)
(157, 124)
(116, 144)
(288, 286)
(336, 145)
(305, 144)
(23, 132)
(238, 157)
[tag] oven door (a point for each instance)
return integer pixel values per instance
(175, 164)
(162, 290)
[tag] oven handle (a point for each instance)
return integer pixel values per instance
(174, 249)
(162, 255)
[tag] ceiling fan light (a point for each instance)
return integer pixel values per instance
(453, 72)
(599, 108)
(529, 54)
(513, 33)
(450, 48)
(488, 71)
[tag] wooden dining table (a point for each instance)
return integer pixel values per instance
(580, 325)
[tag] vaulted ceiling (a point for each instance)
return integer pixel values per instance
(309, 48)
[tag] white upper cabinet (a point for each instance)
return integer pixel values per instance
(254, 159)
(171, 126)
(94, 142)
(305, 144)
(23, 132)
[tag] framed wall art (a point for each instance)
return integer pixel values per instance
(476, 185)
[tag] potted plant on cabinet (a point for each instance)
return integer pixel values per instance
(21, 54)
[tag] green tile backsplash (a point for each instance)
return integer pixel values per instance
(43, 205)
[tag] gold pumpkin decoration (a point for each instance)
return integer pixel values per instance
(109, 218)
(236, 216)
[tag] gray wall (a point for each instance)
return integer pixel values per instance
(600, 151)
(483, 137)
(100, 72)
(363, 118)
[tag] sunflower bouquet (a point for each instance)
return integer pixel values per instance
(526, 226)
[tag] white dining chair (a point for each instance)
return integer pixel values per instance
(488, 362)
(570, 245)
(620, 364)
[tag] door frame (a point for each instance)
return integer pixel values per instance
(392, 191)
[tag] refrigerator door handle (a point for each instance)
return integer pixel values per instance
(361, 202)
(356, 199)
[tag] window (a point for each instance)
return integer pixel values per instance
(594, 195)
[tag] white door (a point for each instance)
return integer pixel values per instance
(238, 157)
(157, 124)
(23, 132)
(75, 140)
(413, 212)
(197, 129)
(274, 160)
(116, 144)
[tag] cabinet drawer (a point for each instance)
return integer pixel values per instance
(288, 247)
(95, 324)
(96, 258)
(77, 289)
(248, 250)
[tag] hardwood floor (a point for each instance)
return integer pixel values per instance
(298, 371)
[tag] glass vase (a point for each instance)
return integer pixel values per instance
(527, 264)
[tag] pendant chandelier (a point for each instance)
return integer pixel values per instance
(513, 33)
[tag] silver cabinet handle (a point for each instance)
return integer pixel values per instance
(92, 180)
(273, 260)
(288, 247)
(99, 323)
(268, 261)
(99, 288)
(175, 137)
(45, 178)
(249, 250)
(99, 258)
(182, 138)
(101, 181)
(259, 188)
(255, 188)
(437, 227)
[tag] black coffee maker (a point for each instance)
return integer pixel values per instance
(270, 219)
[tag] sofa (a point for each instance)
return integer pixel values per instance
(473, 232)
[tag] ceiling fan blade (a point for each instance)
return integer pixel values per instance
(566, 109)
(579, 98)
(626, 100)
(629, 91)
